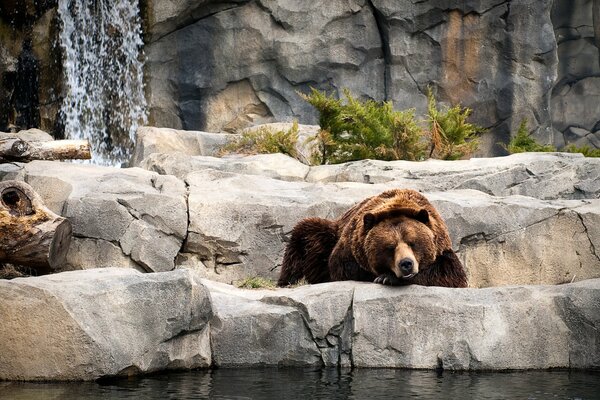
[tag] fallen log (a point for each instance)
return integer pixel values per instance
(30, 233)
(14, 149)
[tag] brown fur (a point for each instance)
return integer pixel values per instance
(371, 240)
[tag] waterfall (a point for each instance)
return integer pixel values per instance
(104, 92)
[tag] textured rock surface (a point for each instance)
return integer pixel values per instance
(522, 219)
(109, 322)
(102, 322)
(502, 236)
(577, 88)
(36, 21)
(125, 217)
(151, 140)
(241, 62)
(494, 328)
(226, 64)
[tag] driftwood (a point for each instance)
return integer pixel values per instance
(31, 234)
(14, 149)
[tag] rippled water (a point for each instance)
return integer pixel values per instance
(297, 383)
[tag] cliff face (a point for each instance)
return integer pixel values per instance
(225, 64)
(219, 65)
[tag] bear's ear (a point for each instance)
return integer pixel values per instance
(369, 221)
(422, 216)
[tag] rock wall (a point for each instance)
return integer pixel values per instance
(576, 94)
(220, 65)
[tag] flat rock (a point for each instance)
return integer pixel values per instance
(84, 325)
(522, 327)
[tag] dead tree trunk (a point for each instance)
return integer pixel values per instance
(31, 234)
(13, 149)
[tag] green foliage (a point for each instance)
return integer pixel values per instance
(522, 142)
(451, 136)
(256, 282)
(587, 151)
(265, 140)
(356, 130)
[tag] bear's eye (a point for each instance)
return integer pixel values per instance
(410, 244)
(390, 248)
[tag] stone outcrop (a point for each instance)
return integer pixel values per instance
(500, 211)
(522, 219)
(109, 322)
(223, 65)
(120, 217)
(84, 325)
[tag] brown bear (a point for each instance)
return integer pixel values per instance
(394, 238)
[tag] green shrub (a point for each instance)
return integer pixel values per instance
(522, 142)
(265, 140)
(356, 130)
(451, 136)
(587, 151)
(256, 282)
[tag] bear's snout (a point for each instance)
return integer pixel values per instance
(407, 267)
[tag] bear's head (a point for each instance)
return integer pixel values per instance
(399, 240)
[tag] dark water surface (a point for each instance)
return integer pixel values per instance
(274, 383)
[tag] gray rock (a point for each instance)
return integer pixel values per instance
(278, 166)
(111, 322)
(245, 331)
(577, 104)
(487, 329)
(242, 63)
(539, 175)
(229, 64)
(240, 224)
(142, 212)
(151, 140)
(84, 325)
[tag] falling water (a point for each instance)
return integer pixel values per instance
(104, 97)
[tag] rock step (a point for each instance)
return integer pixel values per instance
(230, 218)
(85, 325)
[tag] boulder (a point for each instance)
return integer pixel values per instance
(539, 175)
(151, 140)
(367, 325)
(125, 217)
(277, 166)
(84, 325)
(524, 327)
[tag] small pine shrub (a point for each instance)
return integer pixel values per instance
(256, 282)
(451, 136)
(522, 142)
(587, 151)
(356, 130)
(265, 140)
